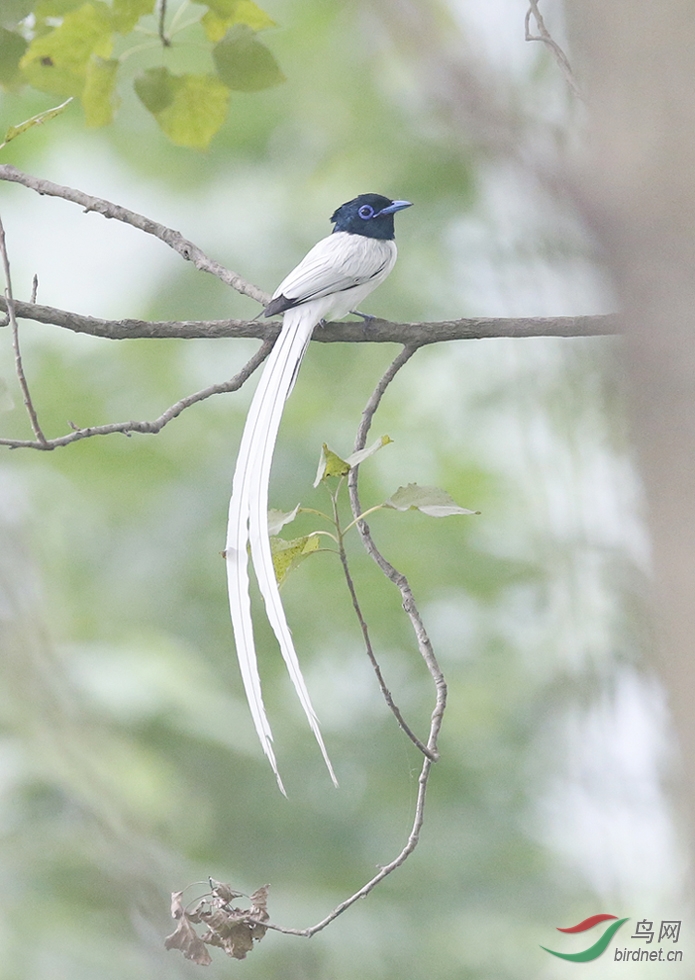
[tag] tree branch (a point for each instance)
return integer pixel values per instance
(19, 367)
(174, 239)
(375, 331)
(546, 38)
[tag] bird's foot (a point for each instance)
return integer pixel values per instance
(365, 316)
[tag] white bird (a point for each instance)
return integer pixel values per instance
(330, 281)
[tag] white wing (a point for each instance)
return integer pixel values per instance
(336, 264)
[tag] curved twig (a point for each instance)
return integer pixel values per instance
(156, 424)
(398, 578)
(19, 367)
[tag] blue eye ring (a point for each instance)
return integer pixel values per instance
(366, 212)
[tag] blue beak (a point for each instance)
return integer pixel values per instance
(396, 206)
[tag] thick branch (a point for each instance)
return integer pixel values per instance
(174, 239)
(371, 331)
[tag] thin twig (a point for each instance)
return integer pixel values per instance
(174, 239)
(19, 367)
(546, 37)
(166, 41)
(157, 424)
(388, 697)
(398, 579)
(384, 871)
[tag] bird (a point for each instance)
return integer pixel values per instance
(331, 280)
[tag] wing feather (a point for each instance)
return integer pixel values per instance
(336, 264)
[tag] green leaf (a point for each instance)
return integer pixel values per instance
(197, 112)
(57, 62)
(288, 554)
(429, 500)
(98, 100)
(12, 47)
(330, 464)
(189, 108)
(223, 14)
(156, 89)
(42, 117)
(278, 518)
(126, 13)
(243, 63)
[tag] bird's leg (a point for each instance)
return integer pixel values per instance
(365, 316)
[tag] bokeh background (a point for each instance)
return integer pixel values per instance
(128, 762)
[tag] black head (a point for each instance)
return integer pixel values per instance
(369, 214)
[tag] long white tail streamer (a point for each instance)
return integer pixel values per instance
(248, 521)
(332, 279)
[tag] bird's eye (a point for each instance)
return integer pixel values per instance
(366, 212)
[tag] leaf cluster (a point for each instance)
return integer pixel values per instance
(72, 48)
(229, 928)
(288, 554)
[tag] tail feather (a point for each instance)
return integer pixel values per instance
(248, 519)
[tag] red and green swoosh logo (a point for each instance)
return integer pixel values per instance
(599, 946)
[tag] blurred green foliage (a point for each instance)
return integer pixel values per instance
(128, 762)
(66, 47)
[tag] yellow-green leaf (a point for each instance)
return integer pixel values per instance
(244, 63)
(330, 464)
(223, 14)
(98, 99)
(126, 13)
(42, 117)
(288, 554)
(57, 62)
(196, 112)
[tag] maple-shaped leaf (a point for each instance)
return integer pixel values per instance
(184, 937)
(259, 910)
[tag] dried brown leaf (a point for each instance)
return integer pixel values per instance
(223, 891)
(184, 937)
(259, 902)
